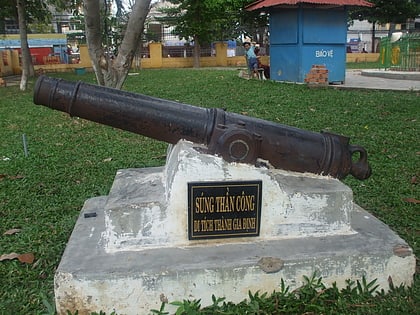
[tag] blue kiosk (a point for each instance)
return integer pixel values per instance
(304, 33)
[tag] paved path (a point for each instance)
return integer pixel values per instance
(382, 80)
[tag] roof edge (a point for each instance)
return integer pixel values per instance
(260, 4)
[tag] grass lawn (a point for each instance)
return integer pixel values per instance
(363, 65)
(70, 160)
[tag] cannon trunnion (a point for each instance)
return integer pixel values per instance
(235, 137)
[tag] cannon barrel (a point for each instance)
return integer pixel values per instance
(235, 137)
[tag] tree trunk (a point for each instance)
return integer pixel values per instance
(109, 71)
(373, 37)
(27, 66)
(197, 51)
(391, 30)
(91, 9)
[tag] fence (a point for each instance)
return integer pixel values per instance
(403, 54)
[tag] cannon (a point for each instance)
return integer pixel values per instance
(234, 137)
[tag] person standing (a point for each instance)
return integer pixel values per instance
(251, 59)
(69, 53)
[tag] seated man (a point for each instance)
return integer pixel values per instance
(265, 68)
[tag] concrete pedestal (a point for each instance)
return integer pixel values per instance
(131, 248)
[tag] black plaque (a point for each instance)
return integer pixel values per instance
(224, 209)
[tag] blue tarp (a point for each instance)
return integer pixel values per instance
(33, 42)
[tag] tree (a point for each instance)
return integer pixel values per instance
(112, 70)
(205, 21)
(25, 12)
(27, 66)
(22, 11)
(386, 11)
(109, 71)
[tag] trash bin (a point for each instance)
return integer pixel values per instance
(80, 71)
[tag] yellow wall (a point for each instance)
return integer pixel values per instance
(220, 60)
(360, 57)
(11, 66)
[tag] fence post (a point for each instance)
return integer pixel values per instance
(16, 67)
(155, 50)
(84, 57)
(221, 54)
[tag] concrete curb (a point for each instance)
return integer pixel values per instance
(389, 74)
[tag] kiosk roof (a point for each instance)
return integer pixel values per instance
(271, 3)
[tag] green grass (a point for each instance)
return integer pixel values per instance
(363, 65)
(71, 160)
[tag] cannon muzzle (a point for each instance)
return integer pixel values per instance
(236, 138)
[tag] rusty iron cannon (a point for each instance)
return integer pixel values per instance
(235, 137)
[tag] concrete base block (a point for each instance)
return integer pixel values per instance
(131, 248)
(132, 282)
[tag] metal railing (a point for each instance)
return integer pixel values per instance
(402, 55)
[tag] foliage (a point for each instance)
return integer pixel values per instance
(313, 297)
(211, 20)
(387, 11)
(37, 11)
(203, 22)
(8, 9)
(71, 160)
